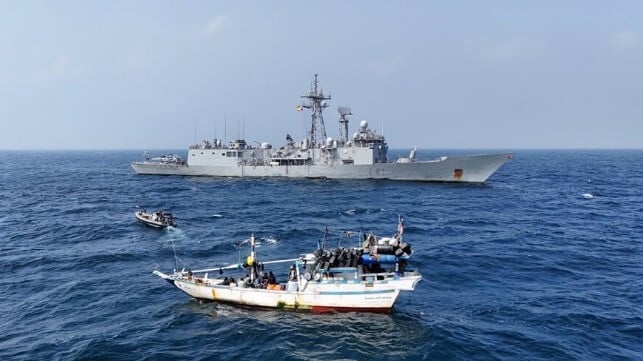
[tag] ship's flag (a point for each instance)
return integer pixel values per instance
(299, 108)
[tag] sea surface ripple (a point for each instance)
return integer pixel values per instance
(543, 262)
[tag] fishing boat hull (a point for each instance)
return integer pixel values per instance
(371, 295)
(366, 279)
(466, 169)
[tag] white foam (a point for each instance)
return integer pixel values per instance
(271, 240)
(587, 195)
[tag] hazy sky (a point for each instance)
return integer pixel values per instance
(434, 74)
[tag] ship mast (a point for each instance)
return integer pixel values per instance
(343, 123)
(316, 102)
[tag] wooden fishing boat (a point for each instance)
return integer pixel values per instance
(362, 279)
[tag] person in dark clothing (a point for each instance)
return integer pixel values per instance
(272, 280)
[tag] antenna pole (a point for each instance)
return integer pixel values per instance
(253, 254)
(316, 103)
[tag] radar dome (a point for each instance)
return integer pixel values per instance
(363, 124)
(329, 141)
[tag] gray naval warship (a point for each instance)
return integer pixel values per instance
(362, 155)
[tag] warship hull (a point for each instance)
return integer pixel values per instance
(467, 169)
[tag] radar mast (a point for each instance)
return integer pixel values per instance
(316, 102)
(343, 123)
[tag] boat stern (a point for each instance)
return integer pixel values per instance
(408, 281)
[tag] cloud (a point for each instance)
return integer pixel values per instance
(623, 39)
(501, 52)
(216, 24)
(512, 50)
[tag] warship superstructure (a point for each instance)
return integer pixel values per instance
(362, 155)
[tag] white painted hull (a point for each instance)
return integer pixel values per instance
(474, 169)
(324, 296)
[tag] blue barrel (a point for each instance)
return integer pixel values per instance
(368, 260)
(387, 258)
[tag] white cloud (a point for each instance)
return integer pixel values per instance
(511, 50)
(216, 24)
(623, 39)
(501, 52)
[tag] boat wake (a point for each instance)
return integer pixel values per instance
(173, 235)
(269, 240)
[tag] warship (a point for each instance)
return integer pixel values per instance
(362, 155)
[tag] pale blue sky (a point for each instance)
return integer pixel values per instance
(435, 74)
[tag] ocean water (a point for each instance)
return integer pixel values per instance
(543, 262)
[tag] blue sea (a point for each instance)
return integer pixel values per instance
(542, 262)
